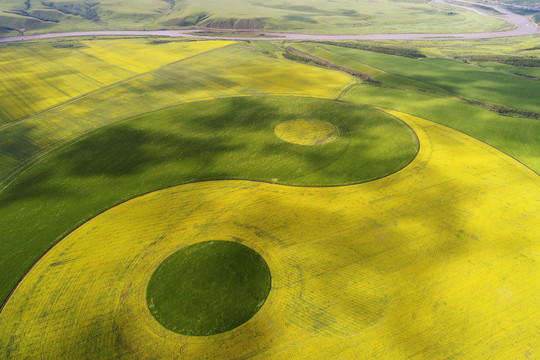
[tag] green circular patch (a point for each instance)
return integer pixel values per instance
(208, 288)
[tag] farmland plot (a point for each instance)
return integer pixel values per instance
(424, 263)
(39, 76)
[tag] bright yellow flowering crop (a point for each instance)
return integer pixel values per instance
(40, 76)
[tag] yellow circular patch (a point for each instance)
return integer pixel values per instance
(307, 132)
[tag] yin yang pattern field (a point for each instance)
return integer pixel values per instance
(424, 263)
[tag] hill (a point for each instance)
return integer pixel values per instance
(313, 16)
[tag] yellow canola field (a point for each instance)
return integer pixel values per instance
(40, 76)
(438, 260)
(139, 57)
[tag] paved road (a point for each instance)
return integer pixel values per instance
(523, 27)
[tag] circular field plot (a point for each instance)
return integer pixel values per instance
(208, 288)
(309, 132)
(435, 261)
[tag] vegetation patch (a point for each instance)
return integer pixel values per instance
(208, 288)
(505, 111)
(536, 18)
(68, 44)
(233, 34)
(86, 10)
(307, 132)
(294, 54)
(523, 61)
(394, 50)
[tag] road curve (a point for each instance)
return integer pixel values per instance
(524, 26)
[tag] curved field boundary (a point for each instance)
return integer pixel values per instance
(186, 139)
(434, 261)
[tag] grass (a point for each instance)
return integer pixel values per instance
(314, 16)
(375, 270)
(224, 139)
(268, 47)
(208, 288)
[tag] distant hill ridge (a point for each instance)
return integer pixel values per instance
(313, 16)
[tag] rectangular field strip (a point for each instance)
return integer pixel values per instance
(40, 76)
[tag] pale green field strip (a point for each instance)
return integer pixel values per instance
(515, 70)
(239, 71)
(523, 45)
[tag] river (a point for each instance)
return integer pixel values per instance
(524, 26)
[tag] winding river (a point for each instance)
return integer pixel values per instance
(524, 26)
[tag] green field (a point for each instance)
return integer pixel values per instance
(532, 72)
(208, 288)
(454, 77)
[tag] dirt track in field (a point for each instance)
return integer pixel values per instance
(351, 71)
